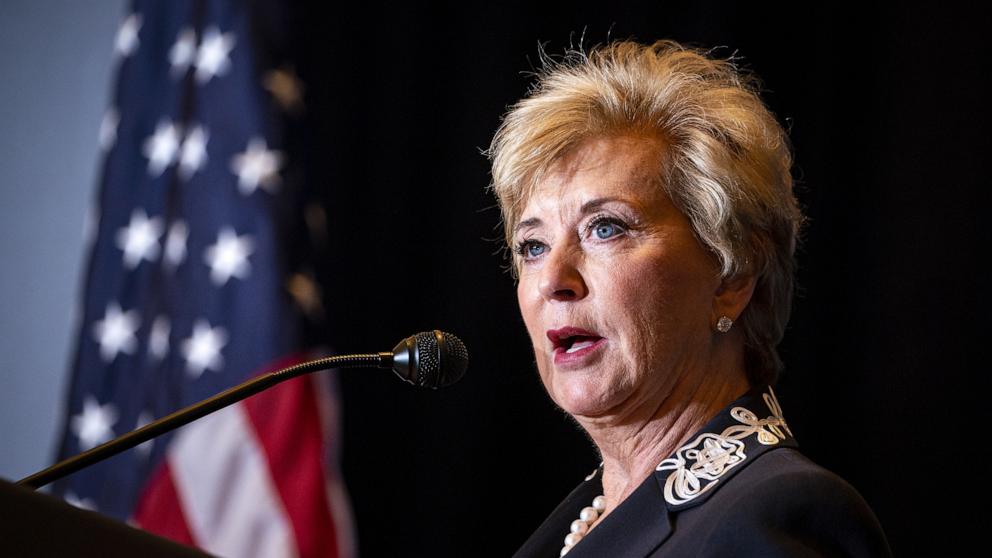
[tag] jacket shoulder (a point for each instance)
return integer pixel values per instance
(783, 504)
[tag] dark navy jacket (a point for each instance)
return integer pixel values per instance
(739, 487)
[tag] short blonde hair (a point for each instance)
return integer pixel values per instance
(727, 165)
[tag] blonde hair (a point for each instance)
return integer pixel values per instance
(727, 164)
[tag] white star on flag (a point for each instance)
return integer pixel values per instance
(175, 244)
(194, 152)
(93, 426)
(144, 448)
(202, 349)
(108, 128)
(127, 35)
(229, 256)
(183, 51)
(139, 239)
(115, 332)
(257, 166)
(161, 147)
(212, 57)
(158, 339)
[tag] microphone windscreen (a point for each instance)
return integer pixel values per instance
(442, 359)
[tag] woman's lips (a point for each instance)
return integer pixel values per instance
(574, 346)
(580, 353)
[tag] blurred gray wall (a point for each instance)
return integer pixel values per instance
(56, 65)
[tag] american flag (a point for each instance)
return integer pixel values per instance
(198, 278)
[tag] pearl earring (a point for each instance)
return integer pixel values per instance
(724, 324)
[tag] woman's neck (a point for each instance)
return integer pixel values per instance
(647, 435)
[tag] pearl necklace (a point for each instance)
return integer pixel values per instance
(587, 518)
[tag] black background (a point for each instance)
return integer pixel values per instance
(888, 112)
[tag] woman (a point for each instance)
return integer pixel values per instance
(647, 197)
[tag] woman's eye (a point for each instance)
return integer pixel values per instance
(535, 249)
(605, 229)
(531, 249)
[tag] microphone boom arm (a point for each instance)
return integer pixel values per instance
(198, 410)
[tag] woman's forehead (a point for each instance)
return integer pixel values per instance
(621, 168)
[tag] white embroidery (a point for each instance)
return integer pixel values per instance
(770, 431)
(776, 409)
(696, 469)
(691, 466)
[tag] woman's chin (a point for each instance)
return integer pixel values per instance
(586, 397)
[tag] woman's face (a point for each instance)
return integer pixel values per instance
(616, 292)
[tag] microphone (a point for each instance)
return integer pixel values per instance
(429, 359)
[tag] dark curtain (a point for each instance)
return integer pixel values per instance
(887, 111)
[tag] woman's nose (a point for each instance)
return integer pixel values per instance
(561, 278)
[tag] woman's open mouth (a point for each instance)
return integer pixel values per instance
(572, 345)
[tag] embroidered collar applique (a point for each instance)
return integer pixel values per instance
(697, 466)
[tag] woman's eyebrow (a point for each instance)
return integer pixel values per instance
(590, 206)
(527, 223)
(594, 205)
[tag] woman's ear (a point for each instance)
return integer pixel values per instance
(732, 297)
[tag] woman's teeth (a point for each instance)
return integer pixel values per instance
(579, 345)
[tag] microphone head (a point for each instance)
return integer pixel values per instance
(430, 359)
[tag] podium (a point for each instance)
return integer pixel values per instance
(34, 524)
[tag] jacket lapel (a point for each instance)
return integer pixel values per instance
(547, 541)
(636, 528)
(727, 444)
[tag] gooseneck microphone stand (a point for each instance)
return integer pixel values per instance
(195, 411)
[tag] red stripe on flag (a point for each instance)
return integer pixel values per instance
(159, 510)
(287, 422)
